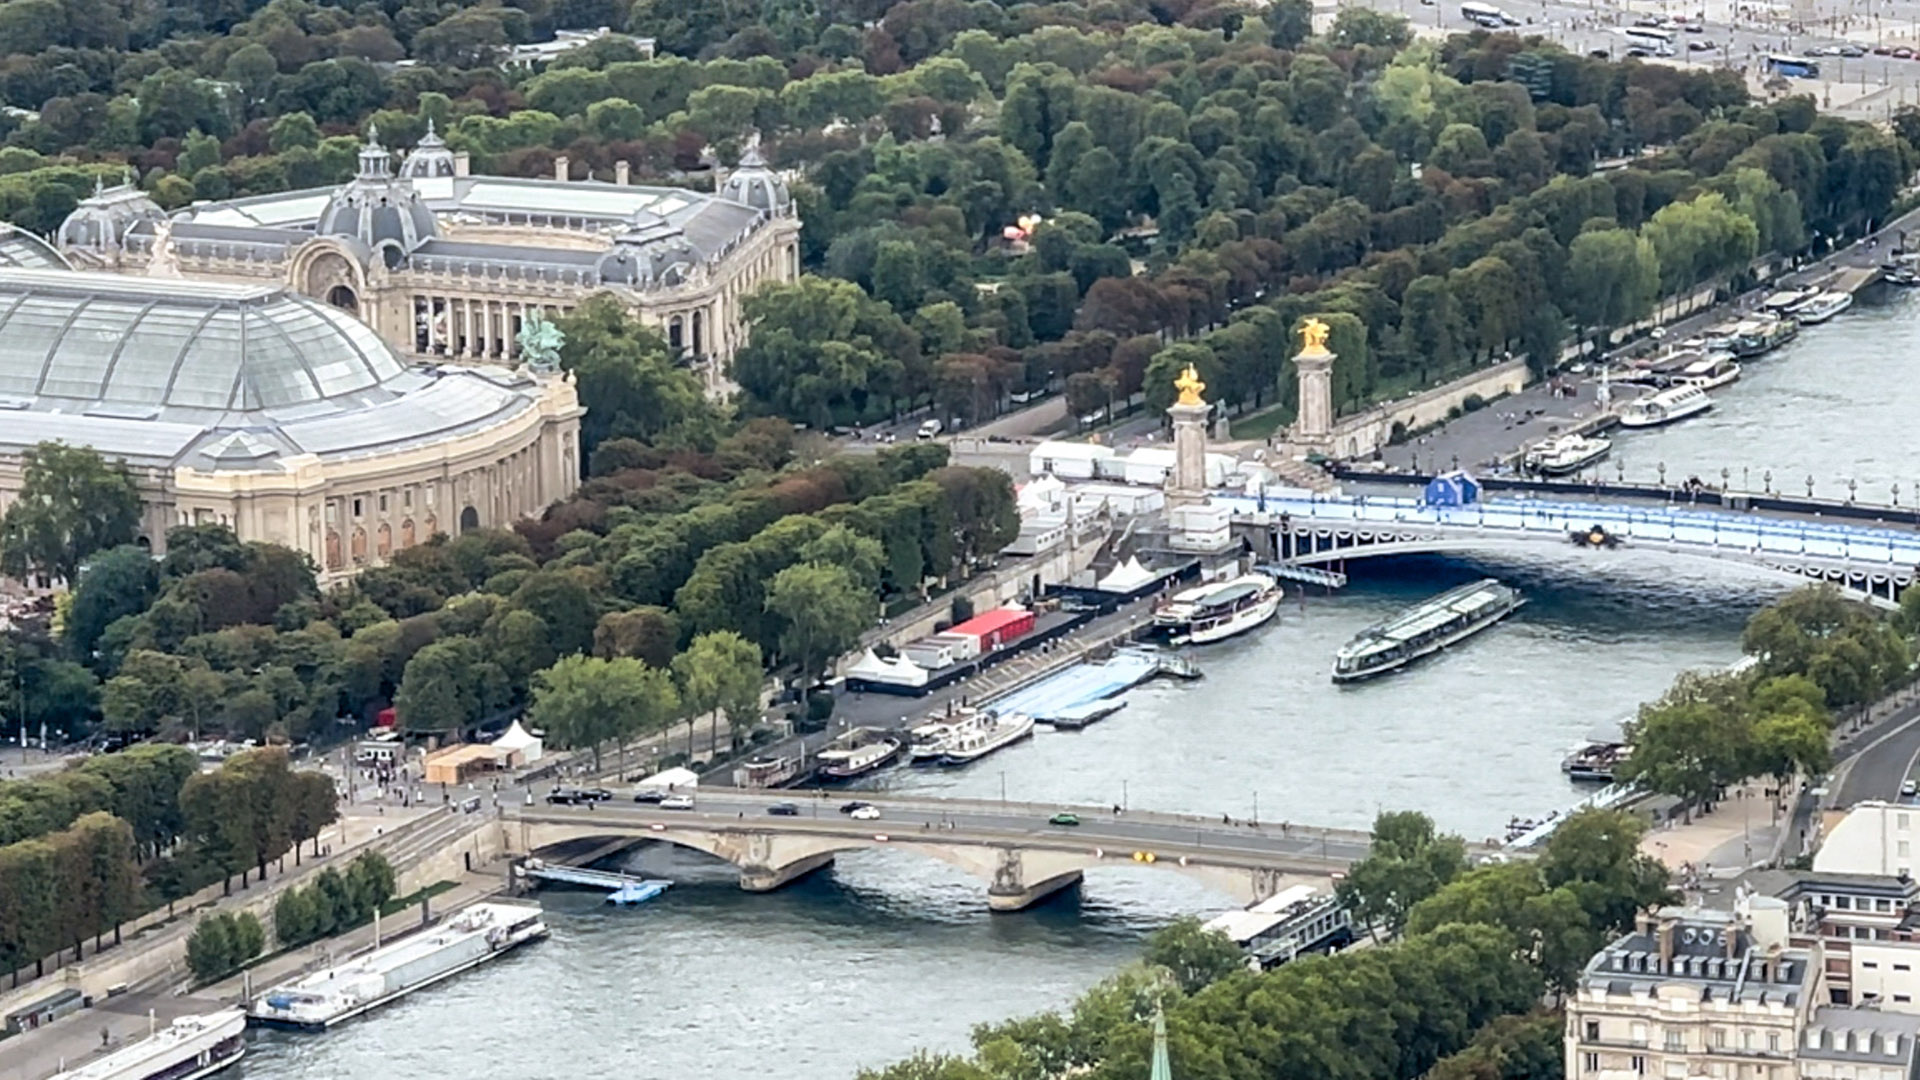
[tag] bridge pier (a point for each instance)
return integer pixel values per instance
(1022, 879)
(765, 878)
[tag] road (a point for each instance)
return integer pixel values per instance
(1232, 841)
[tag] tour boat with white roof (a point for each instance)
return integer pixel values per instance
(187, 1049)
(1218, 611)
(1425, 628)
(1665, 407)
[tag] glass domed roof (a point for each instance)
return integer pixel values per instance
(145, 348)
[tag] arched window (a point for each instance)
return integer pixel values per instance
(699, 337)
(676, 332)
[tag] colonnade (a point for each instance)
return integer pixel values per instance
(472, 328)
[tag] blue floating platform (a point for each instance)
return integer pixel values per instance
(638, 892)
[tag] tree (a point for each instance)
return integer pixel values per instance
(1407, 863)
(1612, 278)
(584, 701)
(821, 350)
(1196, 956)
(631, 376)
(823, 612)
(448, 685)
(118, 582)
(222, 944)
(721, 671)
(72, 503)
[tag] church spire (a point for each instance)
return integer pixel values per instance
(1162, 1068)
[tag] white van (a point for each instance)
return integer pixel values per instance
(930, 428)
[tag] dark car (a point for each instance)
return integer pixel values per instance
(567, 796)
(850, 807)
(784, 809)
(649, 795)
(598, 794)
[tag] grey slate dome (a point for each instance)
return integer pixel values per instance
(102, 220)
(756, 185)
(379, 209)
(429, 158)
(653, 252)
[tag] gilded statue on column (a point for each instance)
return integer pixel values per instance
(1189, 385)
(1313, 337)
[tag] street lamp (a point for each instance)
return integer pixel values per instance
(1809, 485)
(1852, 485)
(1766, 479)
(1896, 493)
(1663, 473)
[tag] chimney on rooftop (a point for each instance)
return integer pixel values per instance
(1666, 946)
(622, 173)
(462, 164)
(560, 167)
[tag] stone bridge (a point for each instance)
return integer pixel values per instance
(1014, 848)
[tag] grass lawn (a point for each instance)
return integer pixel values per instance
(1259, 425)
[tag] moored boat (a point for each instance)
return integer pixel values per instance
(1665, 407)
(855, 754)
(1218, 611)
(1784, 301)
(1425, 628)
(1709, 374)
(988, 732)
(1236, 607)
(1596, 761)
(1823, 307)
(1567, 454)
(187, 1049)
(466, 939)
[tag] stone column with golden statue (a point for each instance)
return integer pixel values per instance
(1313, 419)
(1188, 481)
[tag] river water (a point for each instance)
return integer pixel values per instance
(888, 952)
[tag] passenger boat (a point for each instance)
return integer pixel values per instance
(1300, 919)
(1598, 761)
(1565, 455)
(188, 1048)
(1823, 307)
(1665, 407)
(1709, 374)
(1219, 611)
(1236, 607)
(1425, 628)
(988, 732)
(855, 754)
(466, 939)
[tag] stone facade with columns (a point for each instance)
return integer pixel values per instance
(447, 265)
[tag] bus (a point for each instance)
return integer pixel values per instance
(1793, 67)
(1487, 15)
(1653, 39)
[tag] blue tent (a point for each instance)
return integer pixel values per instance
(1451, 489)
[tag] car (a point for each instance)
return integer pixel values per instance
(867, 813)
(1909, 788)
(567, 796)
(1815, 51)
(1882, 50)
(1851, 52)
(1699, 46)
(1064, 818)
(854, 806)
(1694, 28)
(1599, 54)
(598, 794)
(649, 795)
(1903, 53)
(784, 809)
(930, 428)
(1639, 53)
(677, 802)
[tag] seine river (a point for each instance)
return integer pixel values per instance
(888, 952)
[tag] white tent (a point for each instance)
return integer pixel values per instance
(1126, 577)
(526, 742)
(894, 671)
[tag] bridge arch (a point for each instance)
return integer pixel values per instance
(1317, 545)
(1016, 876)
